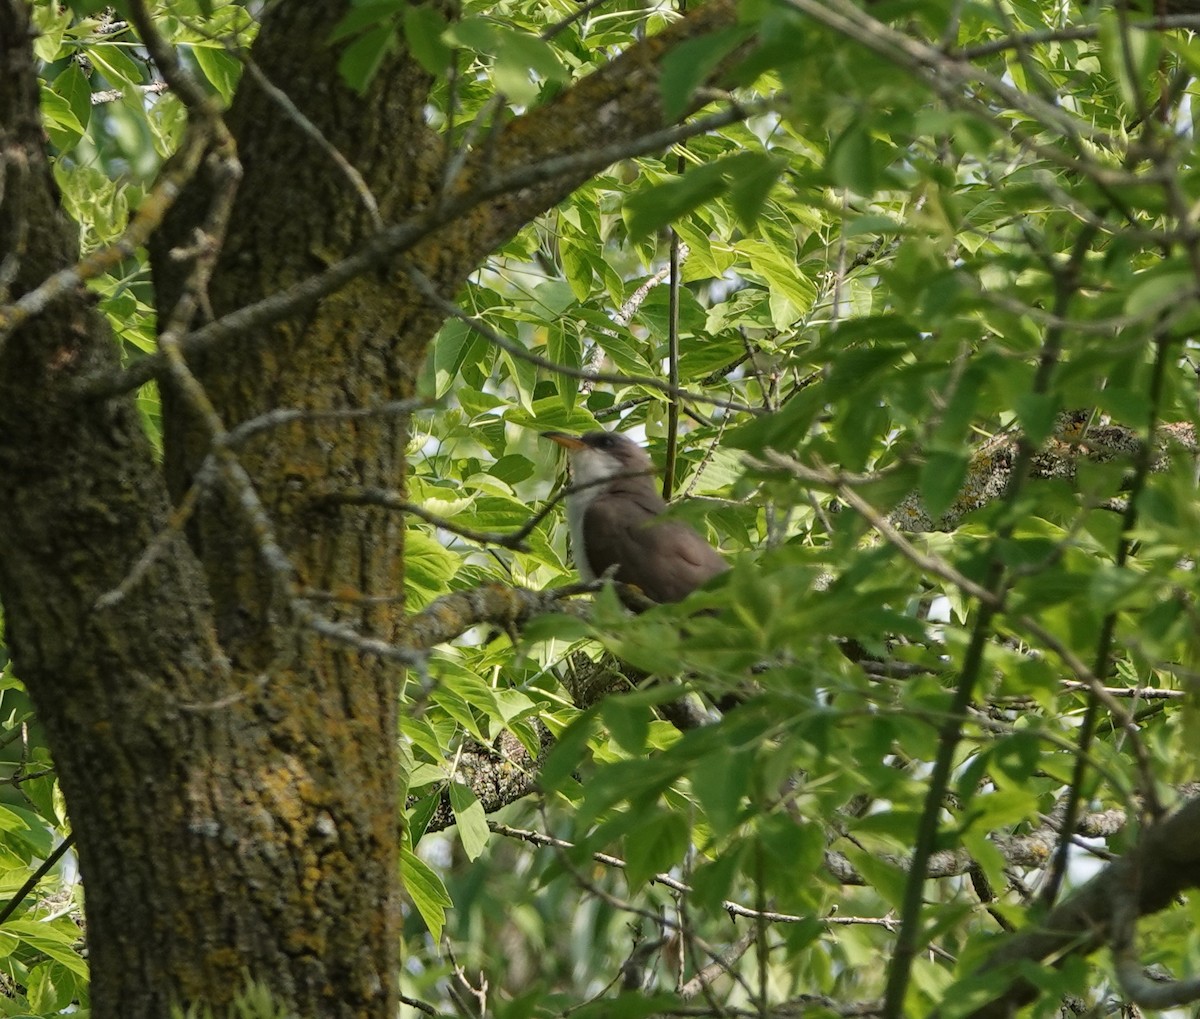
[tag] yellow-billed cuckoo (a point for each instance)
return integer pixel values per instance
(613, 512)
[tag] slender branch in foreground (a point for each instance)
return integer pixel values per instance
(945, 73)
(718, 967)
(1087, 727)
(390, 499)
(183, 84)
(47, 865)
(1018, 851)
(206, 474)
(1131, 974)
(948, 738)
(420, 1006)
(1136, 693)
(991, 602)
(622, 318)
(115, 95)
(297, 117)
(655, 917)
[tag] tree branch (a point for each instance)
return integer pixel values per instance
(1167, 862)
(452, 615)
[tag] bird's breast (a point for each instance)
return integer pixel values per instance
(577, 504)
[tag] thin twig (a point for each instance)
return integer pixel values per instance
(32, 882)
(297, 117)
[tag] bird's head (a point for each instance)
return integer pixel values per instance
(596, 456)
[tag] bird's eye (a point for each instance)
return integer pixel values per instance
(605, 442)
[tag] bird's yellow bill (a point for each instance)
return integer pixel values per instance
(565, 440)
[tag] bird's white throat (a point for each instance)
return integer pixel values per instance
(590, 468)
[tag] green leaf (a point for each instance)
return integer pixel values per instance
(1037, 413)
(428, 567)
(550, 415)
(455, 343)
(562, 346)
(421, 813)
(116, 65)
(886, 878)
(51, 939)
(555, 626)
(628, 722)
(523, 375)
(652, 646)
(512, 469)
(783, 429)
(519, 57)
(1111, 587)
(73, 86)
(567, 754)
(657, 844)
(51, 24)
(997, 810)
(426, 890)
(712, 880)
(792, 294)
(1131, 58)
(361, 60)
(942, 477)
(751, 185)
(60, 120)
(719, 781)
(690, 64)
(624, 356)
(851, 161)
(473, 830)
(1156, 290)
(648, 210)
(223, 70)
(475, 33)
(28, 829)
(423, 29)
(51, 987)
(366, 14)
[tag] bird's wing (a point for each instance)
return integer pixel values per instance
(667, 559)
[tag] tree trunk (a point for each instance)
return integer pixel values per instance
(231, 784)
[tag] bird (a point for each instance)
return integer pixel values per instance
(615, 517)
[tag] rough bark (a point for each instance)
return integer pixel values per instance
(83, 499)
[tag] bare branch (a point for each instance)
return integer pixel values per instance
(452, 615)
(113, 95)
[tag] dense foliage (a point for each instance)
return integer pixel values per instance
(929, 299)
